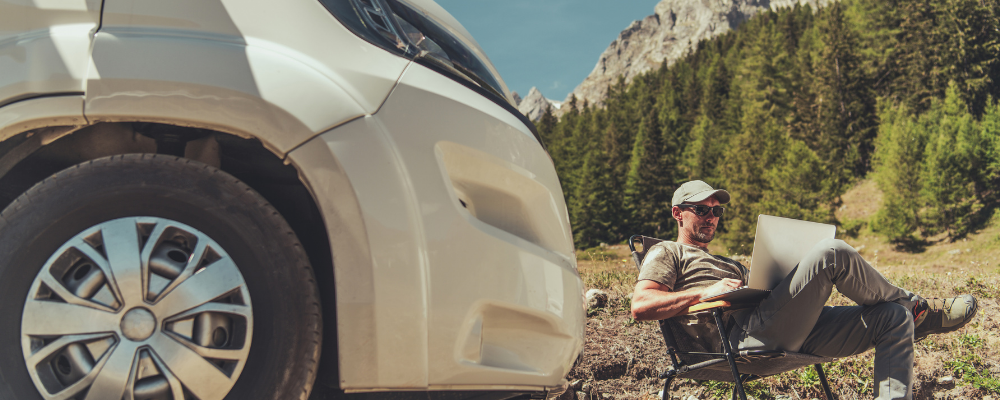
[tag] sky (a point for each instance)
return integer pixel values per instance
(551, 44)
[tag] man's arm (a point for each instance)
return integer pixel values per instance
(654, 301)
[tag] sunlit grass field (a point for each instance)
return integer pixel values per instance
(623, 356)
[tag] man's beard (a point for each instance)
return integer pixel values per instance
(702, 237)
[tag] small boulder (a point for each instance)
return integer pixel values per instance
(569, 394)
(596, 298)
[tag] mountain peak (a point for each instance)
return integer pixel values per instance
(534, 104)
(671, 32)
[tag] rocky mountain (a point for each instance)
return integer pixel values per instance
(534, 105)
(516, 97)
(672, 31)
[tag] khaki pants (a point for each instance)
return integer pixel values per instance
(794, 318)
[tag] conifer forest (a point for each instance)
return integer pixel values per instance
(788, 111)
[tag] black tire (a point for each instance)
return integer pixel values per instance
(287, 324)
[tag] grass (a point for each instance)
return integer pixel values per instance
(970, 366)
(971, 356)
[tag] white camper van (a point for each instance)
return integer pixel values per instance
(246, 199)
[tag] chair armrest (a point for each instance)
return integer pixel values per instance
(704, 307)
(710, 305)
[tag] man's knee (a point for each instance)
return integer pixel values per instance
(827, 252)
(835, 246)
(890, 318)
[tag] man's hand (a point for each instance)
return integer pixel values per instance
(725, 285)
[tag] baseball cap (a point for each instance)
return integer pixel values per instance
(695, 191)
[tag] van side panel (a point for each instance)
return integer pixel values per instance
(213, 64)
(44, 46)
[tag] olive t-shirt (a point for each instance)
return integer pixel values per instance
(681, 267)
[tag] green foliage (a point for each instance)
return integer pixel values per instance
(953, 162)
(724, 390)
(978, 288)
(991, 141)
(970, 366)
(898, 156)
(598, 253)
(809, 377)
(790, 109)
(853, 227)
(610, 279)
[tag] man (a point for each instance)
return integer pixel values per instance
(676, 275)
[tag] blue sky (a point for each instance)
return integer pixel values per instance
(551, 44)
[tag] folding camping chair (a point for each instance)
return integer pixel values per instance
(731, 365)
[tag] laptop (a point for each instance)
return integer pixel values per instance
(778, 247)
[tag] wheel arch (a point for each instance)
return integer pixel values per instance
(28, 157)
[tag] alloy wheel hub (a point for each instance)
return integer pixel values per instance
(138, 324)
(138, 308)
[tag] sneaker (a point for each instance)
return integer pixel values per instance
(942, 315)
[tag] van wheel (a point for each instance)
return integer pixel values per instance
(144, 277)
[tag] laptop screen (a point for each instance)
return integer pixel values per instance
(779, 245)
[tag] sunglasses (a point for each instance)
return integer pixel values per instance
(701, 210)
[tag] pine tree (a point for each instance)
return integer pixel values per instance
(797, 185)
(743, 174)
(844, 104)
(899, 153)
(953, 162)
(969, 44)
(752, 153)
(651, 181)
(991, 140)
(782, 112)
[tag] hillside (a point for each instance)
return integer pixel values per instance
(623, 357)
(790, 108)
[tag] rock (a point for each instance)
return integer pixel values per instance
(671, 32)
(535, 105)
(947, 380)
(569, 394)
(581, 396)
(596, 298)
(516, 97)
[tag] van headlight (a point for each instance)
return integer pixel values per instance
(410, 32)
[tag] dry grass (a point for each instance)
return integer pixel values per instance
(623, 357)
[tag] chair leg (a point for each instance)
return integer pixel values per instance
(822, 379)
(729, 355)
(666, 388)
(743, 379)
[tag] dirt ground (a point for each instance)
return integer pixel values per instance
(623, 357)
